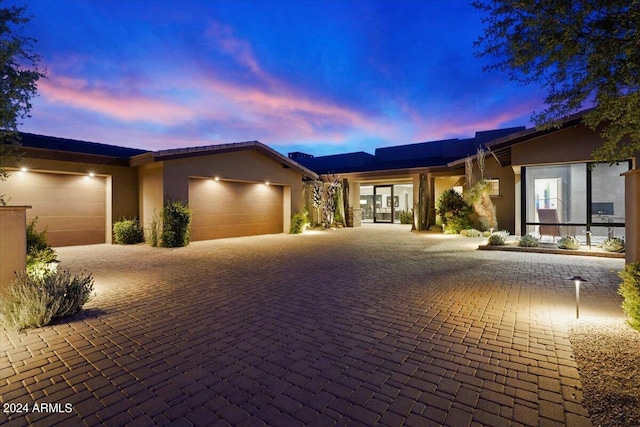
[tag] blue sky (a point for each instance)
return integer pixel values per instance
(315, 76)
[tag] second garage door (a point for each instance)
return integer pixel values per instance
(233, 209)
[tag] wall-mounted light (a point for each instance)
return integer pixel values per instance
(267, 183)
(577, 280)
(217, 178)
(23, 169)
(91, 174)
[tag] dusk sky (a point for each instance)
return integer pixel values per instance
(320, 77)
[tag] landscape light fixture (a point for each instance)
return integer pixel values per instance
(577, 280)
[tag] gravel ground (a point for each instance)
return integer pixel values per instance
(607, 352)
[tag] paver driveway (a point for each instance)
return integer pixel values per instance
(367, 326)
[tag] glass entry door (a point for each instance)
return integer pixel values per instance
(384, 206)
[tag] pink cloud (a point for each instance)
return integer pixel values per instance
(78, 93)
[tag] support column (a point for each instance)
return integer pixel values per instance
(632, 219)
(13, 243)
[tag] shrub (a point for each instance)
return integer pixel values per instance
(299, 222)
(630, 291)
(528, 241)
(471, 232)
(128, 232)
(176, 224)
(569, 242)
(33, 301)
(406, 217)
(38, 250)
(614, 244)
(497, 239)
(454, 212)
(435, 227)
(486, 233)
(456, 223)
(153, 235)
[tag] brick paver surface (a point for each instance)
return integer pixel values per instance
(367, 326)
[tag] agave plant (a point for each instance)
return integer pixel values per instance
(497, 239)
(569, 242)
(528, 241)
(613, 244)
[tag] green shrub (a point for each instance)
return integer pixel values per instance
(630, 292)
(456, 223)
(127, 231)
(614, 244)
(435, 227)
(38, 250)
(528, 241)
(299, 222)
(176, 224)
(486, 233)
(496, 239)
(33, 301)
(453, 212)
(471, 232)
(406, 217)
(569, 242)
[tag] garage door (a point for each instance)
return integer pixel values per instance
(232, 209)
(71, 207)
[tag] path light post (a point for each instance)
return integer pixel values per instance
(577, 280)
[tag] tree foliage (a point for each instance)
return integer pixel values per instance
(584, 54)
(19, 74)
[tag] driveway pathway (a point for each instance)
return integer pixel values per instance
(368, 326)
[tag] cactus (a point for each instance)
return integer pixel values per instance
(528, 241)
(569, 242)
(614, 244)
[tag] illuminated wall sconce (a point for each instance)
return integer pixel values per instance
(217, 178)
(91, 174)
(577, 280)
(267, 183)
(23, 169)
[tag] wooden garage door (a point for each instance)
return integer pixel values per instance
(71, 207)
(232, 209)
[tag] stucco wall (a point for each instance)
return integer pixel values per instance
(151, 194)
(504, 203)
(574, 144)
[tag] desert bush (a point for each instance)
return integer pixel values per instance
(176, 224)
(486, 233)
(299, 222)
(454, 212)
(528, 241)
(471, 232)
(435, 227)
(630, 291)
(497, 239)
(153, 232)
(614, 244)
(569, 242)
(406, 217)
(38, 250)
(35, 300)
(127, 231)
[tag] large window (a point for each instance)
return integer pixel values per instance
(574, 199)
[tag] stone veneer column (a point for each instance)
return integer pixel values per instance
(13, 243)
(355, 217)
(632, 215)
